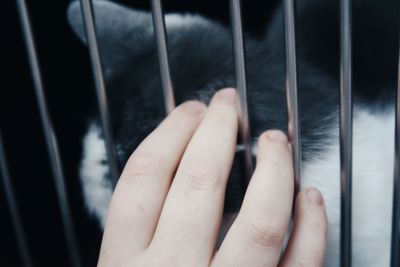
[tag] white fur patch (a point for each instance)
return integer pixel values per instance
(253, 148)
(94, 174)
(175, 21)
(373, 152)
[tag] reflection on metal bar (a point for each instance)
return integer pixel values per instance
(291, 88)
(161, 43)
(395, 250)
(241, 84)
(346, 133)
(51, 141)
(89, 23)
(12, 204)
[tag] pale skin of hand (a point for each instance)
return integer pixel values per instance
(168, 204)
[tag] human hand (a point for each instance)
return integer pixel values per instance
(168, 204)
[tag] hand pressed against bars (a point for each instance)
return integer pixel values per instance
(168, 204)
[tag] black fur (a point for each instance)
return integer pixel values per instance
(202, 62)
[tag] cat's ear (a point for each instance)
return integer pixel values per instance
(121, 32)
(124, 33)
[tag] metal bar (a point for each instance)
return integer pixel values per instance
(346, 132)
(51, 141)
(241, 84)
(95, 57)
(291, 88)
(163, 61)
(13, 206)
(395, 250)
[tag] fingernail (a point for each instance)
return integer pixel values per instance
(228, 94)
(277, 135)
(194, 107)
(314, 196)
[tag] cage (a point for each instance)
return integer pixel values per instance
(41, 200)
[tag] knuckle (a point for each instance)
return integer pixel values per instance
(267, 234)
(143, 168)
(300, 263)
(198, 180)
(192, 107)
(163, 260)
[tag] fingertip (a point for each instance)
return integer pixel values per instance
(193, 107)
(227, 95)
(311, 195)
(309, 236)
(310, 201)
(276, 141)
(275, 136)
(314, 196)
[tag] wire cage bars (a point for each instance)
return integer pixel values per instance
(167, 88)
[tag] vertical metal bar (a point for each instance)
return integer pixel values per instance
(95, 57)
(346, 132)
(395, 250)
(51, 141)
(13, 206)
(291, 88)
(241, 84)
(163, 61)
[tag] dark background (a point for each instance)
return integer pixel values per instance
(68, 84)
(69, 88)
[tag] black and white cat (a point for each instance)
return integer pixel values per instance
(201, 62)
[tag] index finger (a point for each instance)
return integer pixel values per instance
(193, 208)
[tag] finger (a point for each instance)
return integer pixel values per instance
(307, 243)
(193, 208)
(256, 237)
(144, 183)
